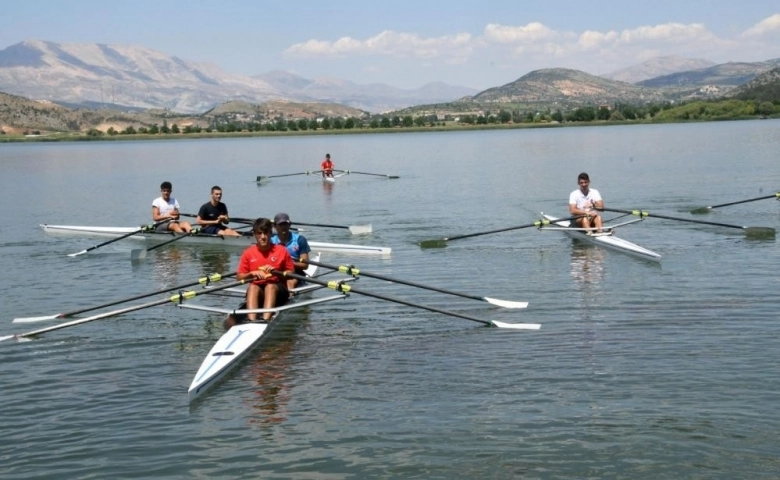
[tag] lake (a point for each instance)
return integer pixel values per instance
(640, 369)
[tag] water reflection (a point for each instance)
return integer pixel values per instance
(215, 261)
(587, 271)
(166, 265)
(327, 187)
(271, 370)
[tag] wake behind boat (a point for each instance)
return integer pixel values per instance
(607, 240)
(203, 239)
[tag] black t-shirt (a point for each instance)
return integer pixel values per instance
(210, 212)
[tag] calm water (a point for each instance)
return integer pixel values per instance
(639, 370)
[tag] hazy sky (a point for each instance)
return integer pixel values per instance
(406, 44)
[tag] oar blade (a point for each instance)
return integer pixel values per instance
(360, 229)
(505, 303)
(516, 326)
(78, 253)
(137, 254)
(7, 337)
(393, 177)
(36, 319)
(701, 211)
(434, 243)
(760, 233)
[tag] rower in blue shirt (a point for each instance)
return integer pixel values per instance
(296, 244)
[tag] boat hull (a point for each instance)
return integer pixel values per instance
(610, 242)
(204, 239)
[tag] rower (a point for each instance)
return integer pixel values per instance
(165, 211)
(585, 201)
(296, 245)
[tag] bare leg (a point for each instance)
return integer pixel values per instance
(269, 299)
(253, 293)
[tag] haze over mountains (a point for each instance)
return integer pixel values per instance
(140, 77)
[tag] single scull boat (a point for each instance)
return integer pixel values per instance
(606, 240)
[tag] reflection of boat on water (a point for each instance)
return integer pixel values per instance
(587, 265)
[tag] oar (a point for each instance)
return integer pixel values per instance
(261, 178)
(442, 242)
(214, 277)
(756, 232)
(140, 253)
(179, 297)
(709, 209)
(354, 229)
(145, 228)
(365, 173)
(355, 272)
(345, 288)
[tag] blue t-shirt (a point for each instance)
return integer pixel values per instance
(297, 246)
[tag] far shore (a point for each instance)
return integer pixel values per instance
(84, 137)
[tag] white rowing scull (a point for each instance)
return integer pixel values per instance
(204, 239)
(607, 240)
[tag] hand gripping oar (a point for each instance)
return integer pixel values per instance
(262, 178)
(178, 298)
(348, 172)
(345, 288)
(442, 242)
(354, 229)
(355, 272)
(214, 277)
(709, 209)
(145, 228)
(755, 232)
(140, 253)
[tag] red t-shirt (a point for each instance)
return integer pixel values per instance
(326, 165)
(277, 257)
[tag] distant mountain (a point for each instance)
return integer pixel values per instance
(763, 88)
(567, 88)
(375, 97)
(656, 67)
(123, 75)
(134, 76)
(725, 74)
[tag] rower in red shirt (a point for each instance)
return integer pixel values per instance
(256, 263)
(327, 166)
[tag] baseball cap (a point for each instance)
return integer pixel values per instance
(282, 218)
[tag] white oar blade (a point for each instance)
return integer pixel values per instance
(360, 229)
(137, 254)
(77, 253)
(7, 337)
(517, 326)
(505, 303)
(35, 319)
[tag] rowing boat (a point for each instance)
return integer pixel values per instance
(204, 239)
(240, 340)
(607, 240)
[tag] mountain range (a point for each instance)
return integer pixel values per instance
(136, 78)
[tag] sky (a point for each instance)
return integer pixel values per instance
(406, 44)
